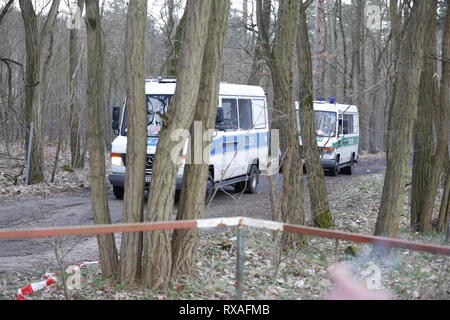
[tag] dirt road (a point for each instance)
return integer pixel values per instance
(37, 255)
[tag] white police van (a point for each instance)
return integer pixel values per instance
(337, 129)
(239, 147)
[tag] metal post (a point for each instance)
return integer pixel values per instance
(240, 243)
(447, 236)
(30, 142)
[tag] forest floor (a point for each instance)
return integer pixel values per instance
(299, 274)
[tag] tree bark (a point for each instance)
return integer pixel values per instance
(262, 46)
(316, 179)
(100, 209)
(76, 161)
(192, 201)
(333, 59)
(131, 245)
(176, 48)
(358, 71)
(5, 10)
(344, 52)
(424, 176)
(401, 119)
(319, 51)
(158, 256)
(35, 42)
(442, 124)
(444, 212)
(281, 64)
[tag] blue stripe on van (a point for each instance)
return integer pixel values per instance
(246, 142)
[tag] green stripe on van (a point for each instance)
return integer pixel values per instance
(346, 142)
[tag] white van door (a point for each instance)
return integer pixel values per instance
(227, 142)
(349, 141)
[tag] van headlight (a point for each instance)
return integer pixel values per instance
(182, 161)
(329, 151)
(116, 159)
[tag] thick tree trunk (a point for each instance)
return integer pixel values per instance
(76, 161)
(316, 179)
(100, 209)
(192, 201)
(401, 119)
(442, 124)
(34, 47)
(131, 245)
(158, 256)
(281, 65)
(424, 176)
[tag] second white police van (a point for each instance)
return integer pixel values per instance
(239, 147)
(337, 129)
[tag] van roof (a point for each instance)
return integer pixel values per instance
(163, 86)
(333, 107)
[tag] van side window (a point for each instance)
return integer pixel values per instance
(245, 114)
(259, 114)
(348, 124)
(230, 116)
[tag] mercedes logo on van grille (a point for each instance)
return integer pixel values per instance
(149, 163)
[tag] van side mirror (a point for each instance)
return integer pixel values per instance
(345, 127)
(116, 119)
(219, 118)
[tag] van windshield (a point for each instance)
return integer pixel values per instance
(326, 123)
(156, 109)
(157, 106)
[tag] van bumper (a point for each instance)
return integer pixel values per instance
(118, 179)
(327, 164)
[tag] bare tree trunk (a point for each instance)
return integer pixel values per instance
(100, 209)
(316, 180)
(131, 245)
(168, 33)
(192, 201)
(262, 46)
(35, 44)
(76, 160)
(358, 71)
(424, 176)
(176, 48)
(319, 51)
(281, 63)
(442, 124)
(375, 108)
(401, 119)
(333, 60)
(344, 51)
(158, 256)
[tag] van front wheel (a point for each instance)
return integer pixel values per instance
(334, 171)
(349, 170)
(118, 192)
(251, 185)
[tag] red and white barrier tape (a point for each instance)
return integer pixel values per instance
(50, 279)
